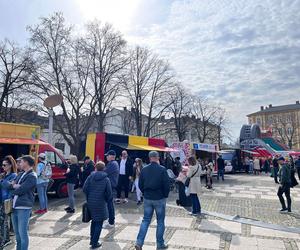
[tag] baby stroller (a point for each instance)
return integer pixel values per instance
(172, 179)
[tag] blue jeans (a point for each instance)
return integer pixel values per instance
(20, 220)
(221, 173)
(195, 204)
(111, 212)
(42, 193)
(96, 227)
(159, 206)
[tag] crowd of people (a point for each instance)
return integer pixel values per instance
(104, 185)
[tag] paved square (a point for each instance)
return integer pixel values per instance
(273, 233)
(195, 239)
(129, 218)
(83, 230)
(48, 227)
(248, 196)
(85, 244)
(37, 243)
(221, 226)
(177, 222)
(131, 232)
(238, 243)
(59, 215)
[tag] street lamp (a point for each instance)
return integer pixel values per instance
(50, 102)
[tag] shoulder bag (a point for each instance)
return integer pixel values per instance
(188, 180)
(86, 216)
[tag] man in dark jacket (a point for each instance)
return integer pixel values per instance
(275, 169)
(221, 167)
(297, 165)
(86, 170)
(285, 184)
(98, 191)
(154, 184)
(125, 175)
(112, 170)
(23, 201)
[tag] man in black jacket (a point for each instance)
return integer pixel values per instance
(221, 167)
(154, 184)
(125, 175)
(86, 170)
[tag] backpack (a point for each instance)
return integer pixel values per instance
(47, 171)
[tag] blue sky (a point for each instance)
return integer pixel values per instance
(241, 54)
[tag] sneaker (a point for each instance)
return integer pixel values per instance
(283, 210)
(125, 201)
(38, 211)
(71, 211)
(137, 247)
(117, 201)
(193, 214)
(163, 247)
(6, 243)
(98, 245)
(43, 211)
(108, 226)
(289, 210)
(67, 208)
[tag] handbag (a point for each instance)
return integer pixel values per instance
(188, 180)
(86, 216)
(8, 204)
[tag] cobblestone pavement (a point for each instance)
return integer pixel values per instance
(248, 196)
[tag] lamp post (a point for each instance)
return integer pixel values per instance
(50, 102)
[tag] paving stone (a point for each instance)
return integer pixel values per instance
(147, 247)
(269, 197)
(37, 243)
(131, 232)
(253, 243)
(85, 244)
(129, 218)
(59, 215)
(248, 196)
(221, 226)
(83, 229)
(48, 227)
(195, 239)
(250, 192)
(273, 233)
(214, 194)
(177, 222)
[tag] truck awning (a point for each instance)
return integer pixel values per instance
(18, 141)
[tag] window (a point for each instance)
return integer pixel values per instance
(289, 131)
(258, 120)
(50, 156)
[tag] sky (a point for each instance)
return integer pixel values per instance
(239, 54)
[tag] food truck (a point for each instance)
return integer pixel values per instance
(22, 139)
(97, 144)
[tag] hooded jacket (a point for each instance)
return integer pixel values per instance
(98, 191)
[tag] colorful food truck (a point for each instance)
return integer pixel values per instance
(21, 139)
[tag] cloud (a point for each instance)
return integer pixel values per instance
(243, 54)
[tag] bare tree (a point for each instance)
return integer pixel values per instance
(63, 68)
(147, 83)
(15, 71)
(286, 127)
(180, 110)
(220, 122)
(106, 48)
(204, 115)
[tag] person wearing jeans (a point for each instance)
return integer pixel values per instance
(23, 201)
(155, 186)
(221, 167)
(194, 173)
(98, 191)
(284, 175)
(112, 170)
(42, 184)
(72, 179)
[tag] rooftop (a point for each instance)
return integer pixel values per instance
(282, 108)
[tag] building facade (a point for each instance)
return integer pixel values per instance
(282, 121)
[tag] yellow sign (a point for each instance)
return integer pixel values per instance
(21, 131)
